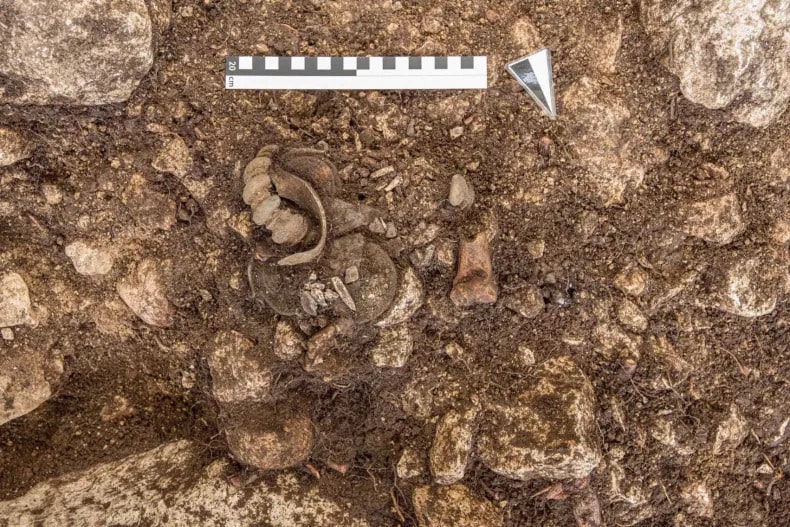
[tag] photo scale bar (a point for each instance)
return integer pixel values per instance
(356, 73)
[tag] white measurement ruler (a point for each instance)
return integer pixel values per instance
(356, 73)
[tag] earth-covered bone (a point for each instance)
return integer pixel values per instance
(80, 52)
(474, 283)
(169, 486)
(454, 506)
(727, 54)
(544, 430)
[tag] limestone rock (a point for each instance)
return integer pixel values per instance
(525, 35)
(88, 260)
(25, 376)
(269, 437)
(631, 316)
(143, 292)
(716, 220)
(452, 445)
(13, 147)
(780, 162)
(727, 54)
(288, 344)
(151, 210)
(527, 302)
(546, 429)
(410, 465)
(408, 300)
(461, 193)
(747, 285)
(454, 506)
(81, 52)
(237, 372)
(698, 499)
(731, 431)
(597, 120)
(632, 280)
(393, 347)
(174, 158)
(15, 307)
(168, 487)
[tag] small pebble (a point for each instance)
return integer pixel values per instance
(52, 194)
(454, 350)
(337, 283)
(7, 333)
(380, 173)
(536, 248)
(330, 296)
(526, 354)
(319, 297)
(391, 231)
(308, 303)
(456, 132)
(352, 274)
(13, 147)
(377, 226)
(461, 194)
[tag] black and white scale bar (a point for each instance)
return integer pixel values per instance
(356, 73)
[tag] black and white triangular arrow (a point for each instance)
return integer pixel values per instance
(535, 74)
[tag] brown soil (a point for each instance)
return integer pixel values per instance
(90, 154)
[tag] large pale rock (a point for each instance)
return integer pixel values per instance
(545, 430)
(731, 431)
(174, 158)
(25, 376)
(454, 506)
(717, 220)
(13, 147)
(152, 210)
(15, 307)
(143, 292)
(408, 300)
(269, 437)
(452, 445)
(89, 260)
(393, 348)
(747, 285)
(597, 120)
(169, 487)
(727, 53)
(80, 52)
(237, 372)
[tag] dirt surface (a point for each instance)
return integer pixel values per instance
(129, 386)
